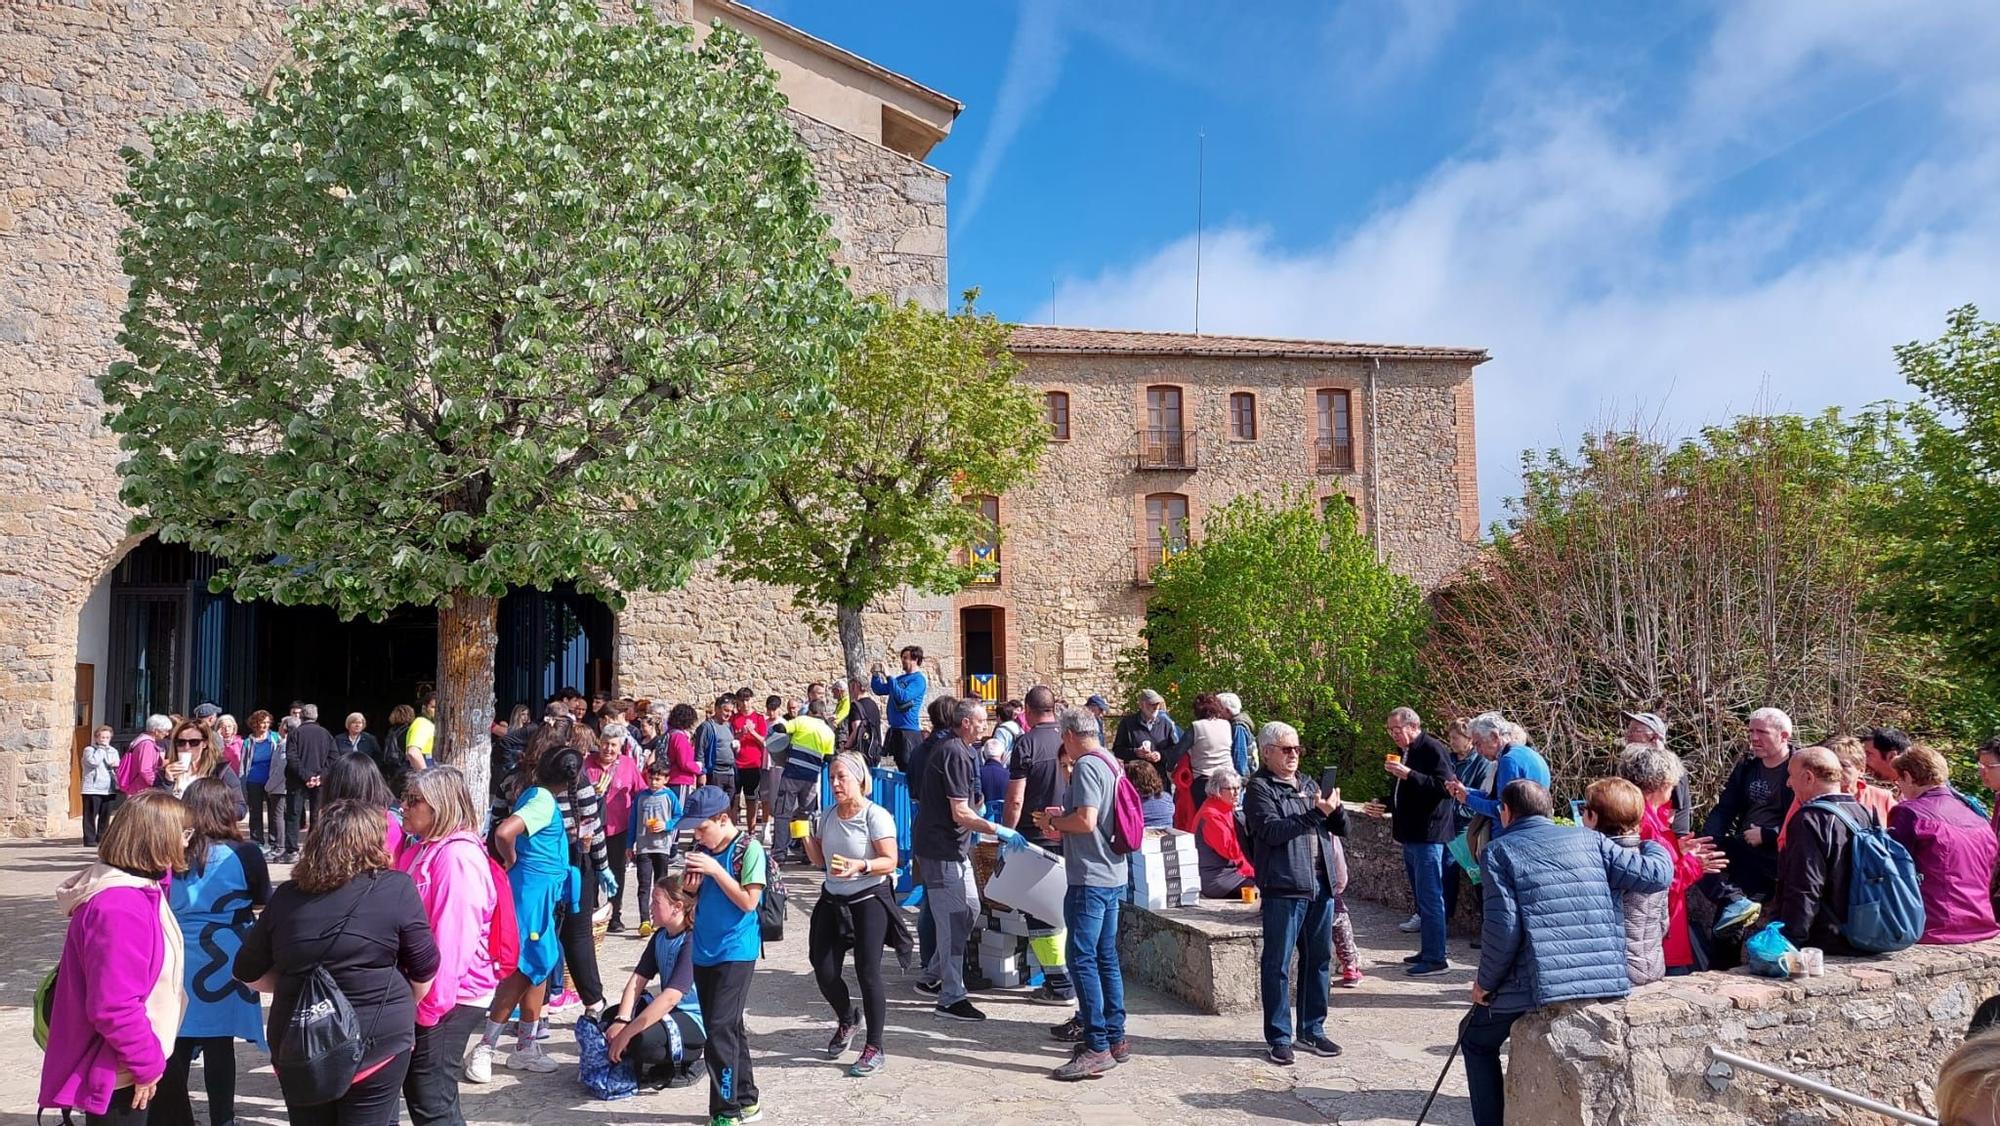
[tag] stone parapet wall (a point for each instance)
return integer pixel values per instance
(1375, 873)
(1876, 1027)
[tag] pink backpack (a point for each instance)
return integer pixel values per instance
(133, 763)
(1128, 817)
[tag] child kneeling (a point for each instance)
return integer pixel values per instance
(663, 1038)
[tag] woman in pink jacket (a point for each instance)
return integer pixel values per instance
(118, 997)
(447, 861)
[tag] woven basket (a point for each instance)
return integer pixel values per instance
(985, 862)
(600, 925)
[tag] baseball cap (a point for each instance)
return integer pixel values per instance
(1650, 722)
(207, 711)
(1097, 702)
(1231, 701)
(705, 802)
(1148, 696)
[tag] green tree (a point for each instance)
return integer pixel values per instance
(1941, 522)
(493, 293)
(927, 414)
(1288, 606)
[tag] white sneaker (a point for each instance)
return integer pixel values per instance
(532, 1058)
(479, 1063)
(1411, 925)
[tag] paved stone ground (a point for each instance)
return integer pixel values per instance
(1187, 1067)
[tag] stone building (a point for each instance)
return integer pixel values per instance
(98, 626)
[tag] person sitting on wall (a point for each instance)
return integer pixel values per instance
(1953, 847)
(1811, 894)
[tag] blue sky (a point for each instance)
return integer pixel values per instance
(1667, 212)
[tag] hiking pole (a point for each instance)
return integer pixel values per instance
(1448, 1060)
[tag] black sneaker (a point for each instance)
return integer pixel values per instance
(930, 988)
(615, 926)
(687, 1075)
(1048, 995)
(961, 1009)
(1412, 959)
(1280, 1054)
(843, 1038)
(1320, 1046)
(1069, 1031)
(1424, 969)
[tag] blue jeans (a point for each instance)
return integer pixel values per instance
(1424, 863)
(1480, 1038)
(1307, 925)
(1091, 914)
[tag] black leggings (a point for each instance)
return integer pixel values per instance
(579, 949)
(653, 1050)
(374, 1101)
(97, 815)
(119, 1113)
(827, 945)
(652, 867)
(614, 849)
(171, 1105)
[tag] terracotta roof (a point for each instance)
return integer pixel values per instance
(831, 50)
(1111, 341)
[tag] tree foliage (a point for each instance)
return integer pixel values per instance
(1699, 581)
(1289, 607)
(492, 293)
(1941, 523)
(927, 412)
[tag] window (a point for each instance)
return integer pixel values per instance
(985, 552)
(1243, 416)
(1163, 442)
(1334, 449)
(1057, 406)
(1163, 410)
(1166, 532)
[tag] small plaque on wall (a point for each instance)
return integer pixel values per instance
(1076, 652)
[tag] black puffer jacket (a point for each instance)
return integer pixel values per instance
(1283, 820)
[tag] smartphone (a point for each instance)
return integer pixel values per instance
(1329, 780)
(1576, 808)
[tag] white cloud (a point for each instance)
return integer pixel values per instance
(1034, 63)
(1564, 246)
(1375, 41)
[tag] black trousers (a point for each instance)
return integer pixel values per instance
(96, 815)
(430, 1089)
(651, 1053)
(901, 742)
(579, 950)
(1200, 790)
(295, 814)
(374, 1101)
(652, 868)
(119, 1113)
(827, 943)
(724, 990)
(257, 801)
(171, 1105)
(614, 848)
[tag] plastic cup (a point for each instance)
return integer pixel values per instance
(1391, 758)
(1249, 893)
(801, 828)
(1813, 959)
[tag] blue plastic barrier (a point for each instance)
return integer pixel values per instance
(892, 792)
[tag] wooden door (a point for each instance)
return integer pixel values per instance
(86, 720)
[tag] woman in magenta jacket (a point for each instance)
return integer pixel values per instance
(1953, 848)
(117, 1000)
(446, 859)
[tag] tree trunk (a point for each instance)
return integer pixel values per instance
(467, 637)
(853, 646)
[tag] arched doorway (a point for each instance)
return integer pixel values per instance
(167, 644)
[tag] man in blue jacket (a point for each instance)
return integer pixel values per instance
(1555, 928)
(906, 694)
(1496, 739)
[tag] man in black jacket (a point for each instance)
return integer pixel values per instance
(1292, 826)
(1420, 811)
(1746, 819)
(1813, 868)
(308, 753)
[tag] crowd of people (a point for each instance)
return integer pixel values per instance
(447, 921)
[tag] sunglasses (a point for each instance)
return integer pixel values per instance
(189, 742)
(1292, 750)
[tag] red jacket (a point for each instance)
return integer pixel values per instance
(1658, 825)
(1215, 826)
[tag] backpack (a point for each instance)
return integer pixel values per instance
(129, 779)
(503, 938)
(770, 905)
(318, 1052)
(45, 1008)
(1128, 814)
(594, 1069)
(1885, 909)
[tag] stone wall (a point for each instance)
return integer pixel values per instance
(76, 79)
(1071, 539)
(1375, 873)
(1875, 1027)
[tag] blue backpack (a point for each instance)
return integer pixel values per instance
(1885, 909)
(594, 1069)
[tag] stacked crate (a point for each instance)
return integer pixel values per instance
(1165, 872)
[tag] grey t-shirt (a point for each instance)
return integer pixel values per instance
(1087, 857)
(854, 837)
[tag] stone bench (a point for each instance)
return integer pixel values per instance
(1205, 955)
(1879, 1027)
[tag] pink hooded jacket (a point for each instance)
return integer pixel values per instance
(456, 885)
(116, 957)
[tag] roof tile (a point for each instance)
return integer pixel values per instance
(1108, 341)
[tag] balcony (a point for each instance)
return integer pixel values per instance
(1171, 450)
(1149, 558)
(1333, 455)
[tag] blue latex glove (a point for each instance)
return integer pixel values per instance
(1010, 840)
(608, 882)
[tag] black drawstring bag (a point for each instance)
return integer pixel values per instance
(320, 1050)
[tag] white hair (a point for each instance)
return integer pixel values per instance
(613, 732)
(1275, 730)
(159, 724)
(309, 713)
(1517, 735)
(352, 716)
(1492, 725)
(225, 720)
(1223, 778)
(1406, 717)
(1775, 716)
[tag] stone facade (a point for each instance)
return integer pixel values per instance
(1071, 540)
(1878, 1027)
